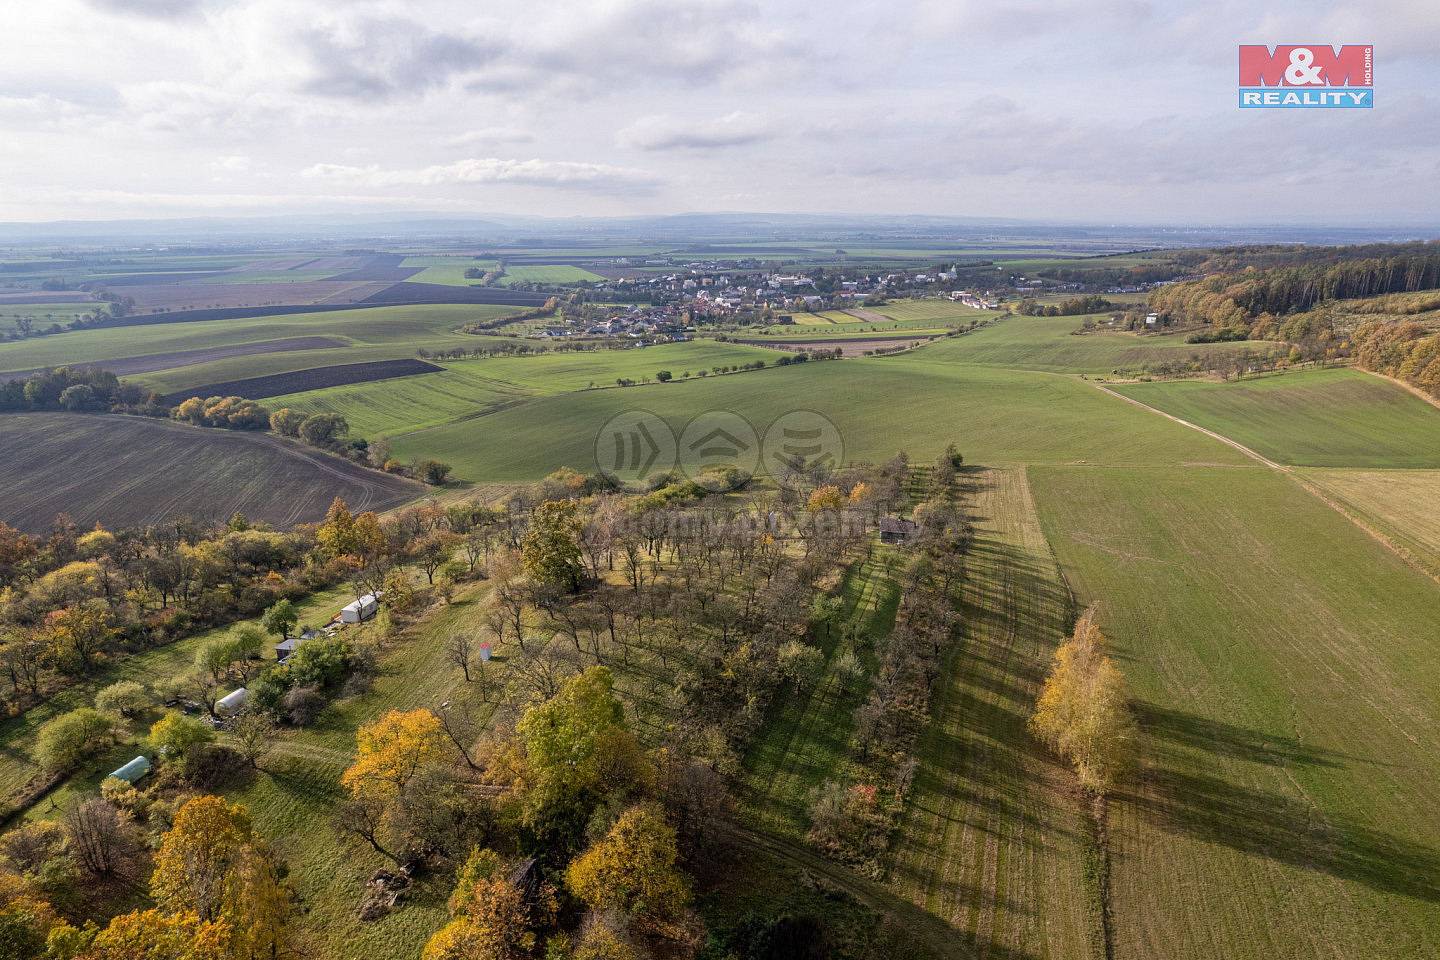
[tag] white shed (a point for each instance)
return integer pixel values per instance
(361, 610)
(230, 704)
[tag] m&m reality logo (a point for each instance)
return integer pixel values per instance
(1310, 75)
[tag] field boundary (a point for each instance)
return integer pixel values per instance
(1410, 559)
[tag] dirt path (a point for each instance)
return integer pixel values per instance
(1303, 483)
(989, 841)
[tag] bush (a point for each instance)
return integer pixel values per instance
(304, 704)
(125, 697)
(69, 739)
(174, 734)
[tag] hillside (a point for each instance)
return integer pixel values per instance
(128, 472)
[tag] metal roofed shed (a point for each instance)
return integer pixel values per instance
(230, 704)
(361, 610)
(133, 771)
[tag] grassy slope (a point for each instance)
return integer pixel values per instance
(399, 329)
(1047, 343)
(1289, 700)
(470, 387)
(1321, 418)
(17, 734)
(990, 842)
(914, 404)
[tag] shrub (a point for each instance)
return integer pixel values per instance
(69, 739)
(125, 697)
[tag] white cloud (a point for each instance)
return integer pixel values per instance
(670, 133)
(490, 136)
(535, 172)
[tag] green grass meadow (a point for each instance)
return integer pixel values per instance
(879, 405)
(1289, 700)
(1316, 418)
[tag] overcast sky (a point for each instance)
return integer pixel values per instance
(1093, 110)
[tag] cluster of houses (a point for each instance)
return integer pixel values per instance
(230, 704)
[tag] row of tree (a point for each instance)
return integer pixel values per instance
(1267, 303)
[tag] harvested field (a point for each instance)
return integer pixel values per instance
(127, 471)
(380, 268)
(6, 299)
(411, 293)
(316, 378)
(177, 297)
(126, 366)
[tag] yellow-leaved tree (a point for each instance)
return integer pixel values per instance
(213, 864)
(1084, 710)
(392, 750)
(495, 919)
(152, 935)
(632, 868)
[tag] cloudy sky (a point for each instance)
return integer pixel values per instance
(1094, 110)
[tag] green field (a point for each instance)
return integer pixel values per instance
(879, 406)
(1290, 705)
(1049, 343)
(449, 270)
(546, 273)
(469, 388)
(1317, 418)
(373, 334)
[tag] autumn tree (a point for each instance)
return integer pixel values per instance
(393, 751)
(174, 734)
(632, 868)
(153, 935)
(551, 548)
(75, 634)
(68, 740)
(286, 422)
(1084, 710)
(212, 863)
(26, 918)
(571, 752)
(495, 918)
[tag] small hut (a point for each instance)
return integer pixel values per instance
(895, 530)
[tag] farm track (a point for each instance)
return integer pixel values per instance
(935, 933)
(1308, 486)
(988, 843)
